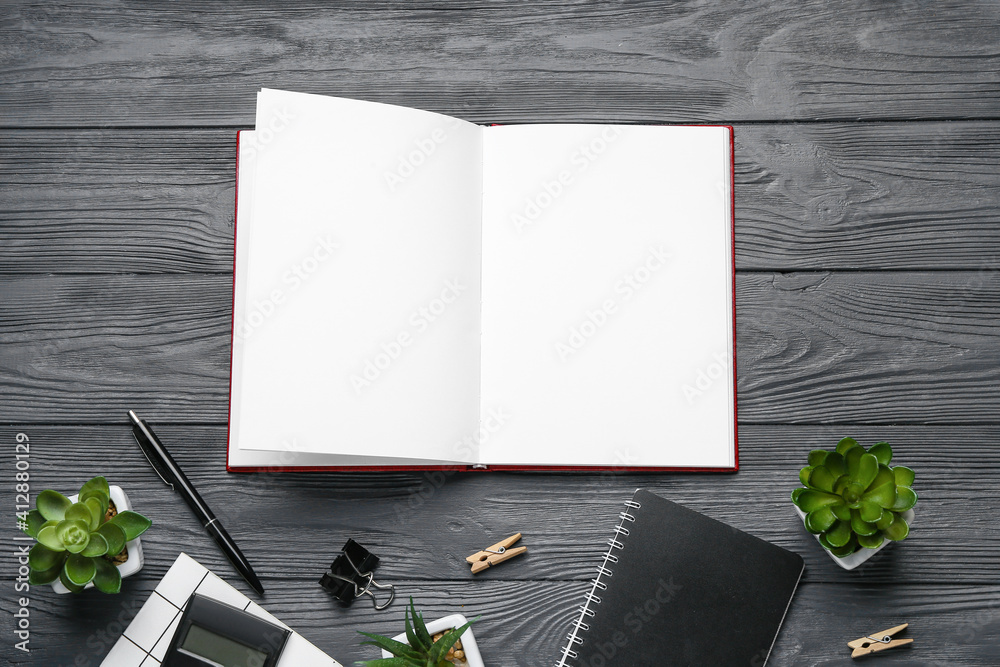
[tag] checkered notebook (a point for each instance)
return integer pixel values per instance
(146, 639)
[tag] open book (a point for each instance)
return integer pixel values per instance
(416, 290)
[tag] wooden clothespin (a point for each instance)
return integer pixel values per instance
(878, 641)
(497, 553)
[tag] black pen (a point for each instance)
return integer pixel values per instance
(172, 476)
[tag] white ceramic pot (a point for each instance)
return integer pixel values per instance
(134, 562)
(862, 554)
(472, 655)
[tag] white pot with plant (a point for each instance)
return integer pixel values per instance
(89, 540)
(853, 502)
(446, 642)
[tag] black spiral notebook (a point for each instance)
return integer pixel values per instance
(679, 588)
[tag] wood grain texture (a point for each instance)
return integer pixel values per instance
(425, 524)
(162, 64)
(841, 196)
(524, 624)
(859, 196)
(839, 347)
(106, 201)
(868, 297)
(882, 348)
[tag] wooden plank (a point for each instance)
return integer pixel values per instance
(812, 348)
(524, 624)
(158, 63)
(876, 348)
(107, 201)
(855, 196)
(423, 525)
(826, 196)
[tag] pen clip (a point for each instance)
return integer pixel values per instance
(154, 466)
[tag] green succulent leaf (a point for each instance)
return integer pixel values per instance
(796, 493)
(52, 505)
(97, 546)
(852, 494)
(419, 627)
(866, 470)
(34, 523)
(50, 538)
(804, 475)
(846, 445)
(860, 526)
(898, 530)
(869, 511)
(884, 476)
(853, 458)
(97, 488)
(80, 512)
(882, 451)
(839, 534)
(115, 537)
(73, 588)
(80, 569)
(107, 578)
(398, 649)
(886, 520)
(817, 457)
(100, 497)
(847, 549)
(883, 494)
(903, 475)
(905, 499)
(40, 557)
(42, 577)
(133, 523)
(810, 500)
(441, 646)
(96, 484)
(842, 512)
(841, 485)
(836, 464)
(873, 541)
(96, 510)
(412, 638)
(820, 520)
(822, 479)
(74, 534)
(844, 551)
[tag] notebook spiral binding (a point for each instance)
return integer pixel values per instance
(580, 625)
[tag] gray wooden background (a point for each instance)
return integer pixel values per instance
(868, 294)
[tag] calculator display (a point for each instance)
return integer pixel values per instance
(215, 634)
(220, 651)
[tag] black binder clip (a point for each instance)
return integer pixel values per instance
(350, 576)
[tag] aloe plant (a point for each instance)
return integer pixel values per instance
(420, 649)
(853, 499)
(76, 540)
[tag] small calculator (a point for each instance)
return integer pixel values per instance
(215, 634)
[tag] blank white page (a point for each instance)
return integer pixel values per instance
(282, 457)
(360, 325)
(607, 307)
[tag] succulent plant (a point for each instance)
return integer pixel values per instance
(76, 540)
(853, 499)
(420, 650)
